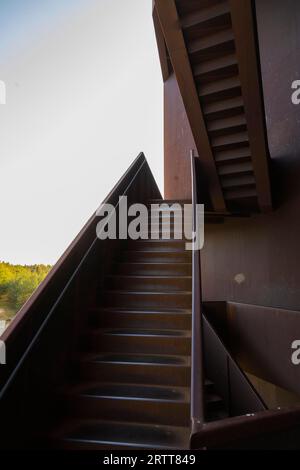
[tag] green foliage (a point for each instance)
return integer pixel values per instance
(17, 282)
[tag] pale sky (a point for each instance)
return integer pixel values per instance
(84, 97)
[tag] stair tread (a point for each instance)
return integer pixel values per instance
(235, 168)
(129, 434)
(161, 245)
(212, 397)
(223, 105)
(143, 256)
(167, 211)
(135, 292)
(156, 252)
(142, 276)
(166, 201)
(159, 263)
(148, 282)
(240, 193)
(159, 332)
(130, 391)
(144, 310)
(227, 123)
(162, 205)
(159, 240)
(214, 65)
(205, 14)
(154, 267)
(235, 138)
(208, 382)
(213, 40)
(238, 181)
(232, 155)
(219, 86)
(170, 360)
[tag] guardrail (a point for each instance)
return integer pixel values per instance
(197, 363)
(40, 340)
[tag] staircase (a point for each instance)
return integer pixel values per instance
(211, 47)
(131, 387)
(113, 351)
(215, 407)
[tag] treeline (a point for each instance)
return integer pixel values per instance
(18, 282)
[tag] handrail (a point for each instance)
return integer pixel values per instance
(197, 363)
(239, 428)
(203, 339)
(131, 175)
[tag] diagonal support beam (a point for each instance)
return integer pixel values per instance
(244, 27)
(170, 24)
(162, 50)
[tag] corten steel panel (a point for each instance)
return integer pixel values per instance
(178, 141)
(229, 381)
(215, 362)
(243, 25)
(261, 340)
(278, 25)
(255, 260)
(242, 397)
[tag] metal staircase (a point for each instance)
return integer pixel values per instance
(114, 350)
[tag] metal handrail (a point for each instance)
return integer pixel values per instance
(197, 363)
(239, 428)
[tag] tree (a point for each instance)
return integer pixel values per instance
(17, 282)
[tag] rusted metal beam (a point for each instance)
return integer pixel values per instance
(170, 24)
(243, 24)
